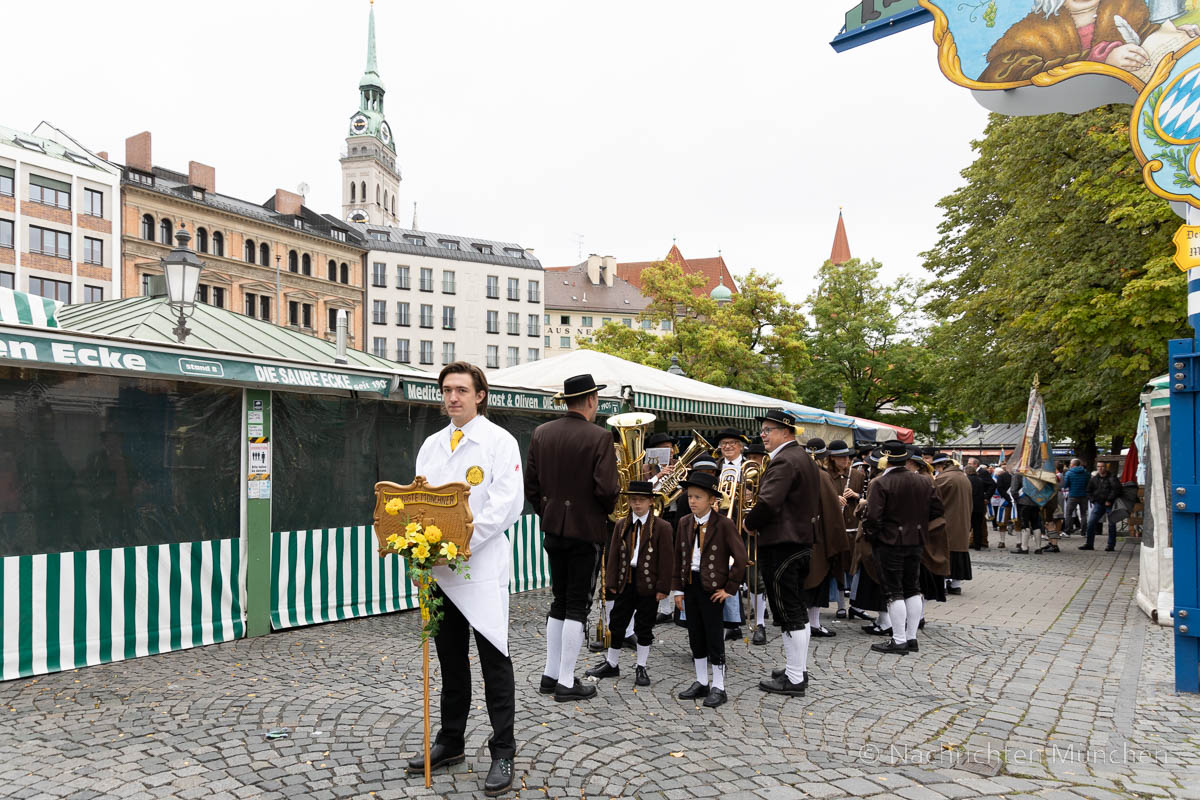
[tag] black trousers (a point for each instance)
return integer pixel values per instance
(453, 642)
(979, 535)
(706, 633)
(785, 569)
(900, 568)
(572, 575)
(643, 610)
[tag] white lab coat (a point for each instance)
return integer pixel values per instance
(496, 504)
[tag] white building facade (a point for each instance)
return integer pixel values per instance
(59, 206)
(437, 298)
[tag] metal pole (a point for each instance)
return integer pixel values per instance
(278, 304)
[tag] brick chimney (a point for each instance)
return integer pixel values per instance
(103, 154)
(202, 176)
(137, 152)
(287, 202)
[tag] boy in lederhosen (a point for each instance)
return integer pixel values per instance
(637, 576)
(710, 563)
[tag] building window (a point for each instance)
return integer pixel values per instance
(379, 312)
(426, 279)
(513, 252)
(379, 274)
(249, 251)
(514, 324)
(564, 341)
(486, 249)
(534, 354)
(547, 342)
(493, 357)
(585, 322)
(49, 243)
(448, 318)
(447, 353)
(426, 316)
(426, 351)
(402, 314)
(379, 347)
(93, 294)
(627, 322)
(6, 181)
(202, 293)
(332, 318)
(55, 290)
(493, 287)
(564, 319)
(8, 280)
(213, 295)
(306, 264)
(534, 328)
(146, 285)
(201, 240)
(547, 319)
(345, 271)
(6, 233)
(606, 320)
(93, 203)
(293, 313)
(165, 229)
(493, 322)
(218, 243)
(293, 261)
(514, 289)
(299, 314)
(264, 254)
(379, 236)
(148, 227)
(49, 192)
(647, 324)
(419, 241)
(402, 351)
(535, 292)
(514, 357)
(403, 279)
(666, 324)
(332, 270)
(93, 251)
(447, 281)
(258, 306)
(449, 244)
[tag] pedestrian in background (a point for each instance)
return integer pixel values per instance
(1076, 481)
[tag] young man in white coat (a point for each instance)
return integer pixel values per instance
(475, 451)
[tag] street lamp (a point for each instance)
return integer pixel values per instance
(675, 369)
(182, 270)
(934, 424)
(840, 406)
(977, 427)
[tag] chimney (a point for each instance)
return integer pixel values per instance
(202, 176)
(594, 263)
(287, 202)
(137, 152)
(103, 155)
(342, 328)
(610, 270)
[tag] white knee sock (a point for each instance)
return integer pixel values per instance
(718, 677)
(884, 620)
(914, 607)
(553, 646)
(795, 649)
(572, 640)
(701, 670)
(899, 619)
(841, 600)
(643, 653)
(760, 609)
(955, 583)
(613, 656)
(1025, 536)
(814, 617)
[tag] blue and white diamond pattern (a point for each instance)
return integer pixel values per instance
(1179, 110)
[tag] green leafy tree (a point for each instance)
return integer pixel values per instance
(1054, 261)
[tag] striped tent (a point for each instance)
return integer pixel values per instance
(21, 308)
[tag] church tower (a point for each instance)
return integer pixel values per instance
(370, 179)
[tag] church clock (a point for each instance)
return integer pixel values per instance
(358, 123)
(358, 215)
(385, 133)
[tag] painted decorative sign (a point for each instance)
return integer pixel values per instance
(1187, 247)
(1165, 132)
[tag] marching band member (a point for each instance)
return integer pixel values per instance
(475, 450)
(849, 485)
(730, 444)
(955, 489)
(829, 543)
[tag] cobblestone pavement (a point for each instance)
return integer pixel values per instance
(1042, 680)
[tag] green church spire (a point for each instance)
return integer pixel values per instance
(371, 71)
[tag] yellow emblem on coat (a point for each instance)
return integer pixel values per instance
(474, 475)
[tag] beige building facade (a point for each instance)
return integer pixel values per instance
(584, 298)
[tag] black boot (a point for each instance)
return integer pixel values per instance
(499, 778)
(439, 756)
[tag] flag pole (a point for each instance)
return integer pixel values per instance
(425, 669)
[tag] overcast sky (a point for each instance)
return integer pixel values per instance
(732, 127)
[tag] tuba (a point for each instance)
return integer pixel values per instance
(631, 431)
(749, 481)
(667, 487)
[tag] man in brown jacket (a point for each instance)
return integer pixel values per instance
(571, 482)
(785, 518)
(955, 490)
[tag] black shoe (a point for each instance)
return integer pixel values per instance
(597, 647)
(697, 689)
(547, 685)
(857, 614)
(715, 698)
(580, 691)
(641, 677)
(1053, 549)
(821, 632)
(841, 613)
(913, 647)
(953, 590)
(439, 756)
(1086, 547)
(661, 618)
(630, 643)
(733, 634)
(603, 670)
(782, 685)
(499, 778)
(1109, 549)
(760, 635)
(875, 630)
(890, 646)
(779, 673)
(1021, 550)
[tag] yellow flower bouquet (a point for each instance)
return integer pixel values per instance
(422, 546)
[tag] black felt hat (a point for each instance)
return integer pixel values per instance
(895, 450)
(779, 417)
(658, 440)
(732, 433)
(701, 480)
(816, 446)
(838, 448)
(941, 458)
(640, 488)
(756, 449)
(578, 386)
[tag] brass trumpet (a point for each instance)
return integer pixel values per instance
(749, 481)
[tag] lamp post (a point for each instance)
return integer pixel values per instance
(278, 304)
(934, 424)
(977, 428)
(182, 269)
(840, 406)
(675, 369)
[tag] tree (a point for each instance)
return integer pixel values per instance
(1054, 261)
(754, 343)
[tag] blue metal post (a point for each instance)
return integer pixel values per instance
(1185, 493)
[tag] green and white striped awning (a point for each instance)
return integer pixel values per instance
(21, 308)
(685, 407)
(1157, 392)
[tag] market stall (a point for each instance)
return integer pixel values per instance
(1156, 585)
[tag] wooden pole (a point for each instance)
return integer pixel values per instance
(425, 666)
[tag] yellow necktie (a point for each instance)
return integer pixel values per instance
(455, 438)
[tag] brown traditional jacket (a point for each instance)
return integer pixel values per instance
(571, 477)
(899, 508)
(788, 502)
(955, 489)
(935, 550)
(831, 546)
(655, 558)
(723, 560)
